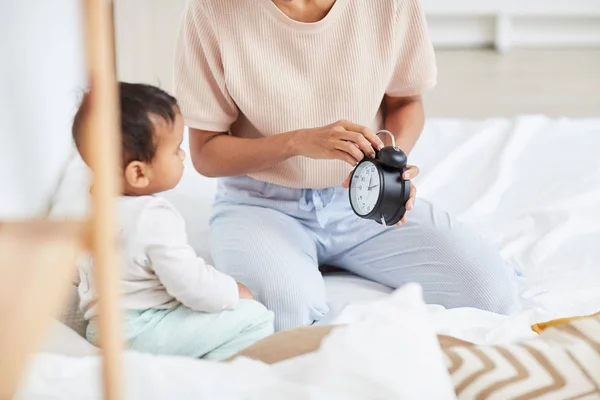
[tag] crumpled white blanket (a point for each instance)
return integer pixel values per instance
(390, 351)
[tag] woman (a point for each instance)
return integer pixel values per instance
(282, 97)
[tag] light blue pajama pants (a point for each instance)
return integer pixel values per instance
(180, 331)
(273, 239)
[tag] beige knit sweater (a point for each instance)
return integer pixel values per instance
(244, 67)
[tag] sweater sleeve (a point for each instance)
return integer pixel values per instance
(415, 70)
(184, 275)
(199, 78)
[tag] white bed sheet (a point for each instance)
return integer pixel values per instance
(529, 185)
(395, 339)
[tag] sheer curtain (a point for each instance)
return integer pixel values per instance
(41, 78)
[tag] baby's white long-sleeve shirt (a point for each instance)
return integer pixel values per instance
(159, 268)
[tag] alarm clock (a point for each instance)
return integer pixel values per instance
(377, 189)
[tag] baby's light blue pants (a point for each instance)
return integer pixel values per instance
(180, 331)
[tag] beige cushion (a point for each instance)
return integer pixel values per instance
(72, 315)
(295, 342)
(562, 363)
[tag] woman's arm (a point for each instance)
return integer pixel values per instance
(217, 154)
(405, 118)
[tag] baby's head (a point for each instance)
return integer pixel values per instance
(151, 136)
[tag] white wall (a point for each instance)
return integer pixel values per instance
(41, 77)
(508, 24)
(147, 29)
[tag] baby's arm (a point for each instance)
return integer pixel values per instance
(185, 276)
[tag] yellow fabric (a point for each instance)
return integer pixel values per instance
(540, 326)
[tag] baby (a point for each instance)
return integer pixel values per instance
(174, 302)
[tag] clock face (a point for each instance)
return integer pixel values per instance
(365, 188)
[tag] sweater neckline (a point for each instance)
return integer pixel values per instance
(334, 12)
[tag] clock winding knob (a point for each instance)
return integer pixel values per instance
(392, 156)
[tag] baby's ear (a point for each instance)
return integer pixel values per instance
(136, 175)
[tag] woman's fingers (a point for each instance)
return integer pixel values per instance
(411, 172)
(342, 155)
(346, 183)
(363, 144)
(367, 133)
(409, 204)
(351, 149)
(373, 138)
(413, 195)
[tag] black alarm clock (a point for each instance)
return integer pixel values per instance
(377, 189)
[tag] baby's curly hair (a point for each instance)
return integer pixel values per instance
(137, 101)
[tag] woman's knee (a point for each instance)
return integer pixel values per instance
(491, 291)
(279, 268)
(483, 279)
(296, 303)
(294, 291)
(291, 286)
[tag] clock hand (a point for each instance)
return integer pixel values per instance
(370, 181)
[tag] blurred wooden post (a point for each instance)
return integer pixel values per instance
(103, 148)
(37, 257)
(37, 264)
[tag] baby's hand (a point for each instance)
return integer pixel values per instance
(245, 292)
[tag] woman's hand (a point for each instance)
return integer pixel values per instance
(245, 292)
(411, 172)
(341, 140)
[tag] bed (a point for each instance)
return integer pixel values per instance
(530, 185)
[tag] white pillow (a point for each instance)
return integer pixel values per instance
(389, 351)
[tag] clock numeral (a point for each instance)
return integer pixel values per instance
(360, 188)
